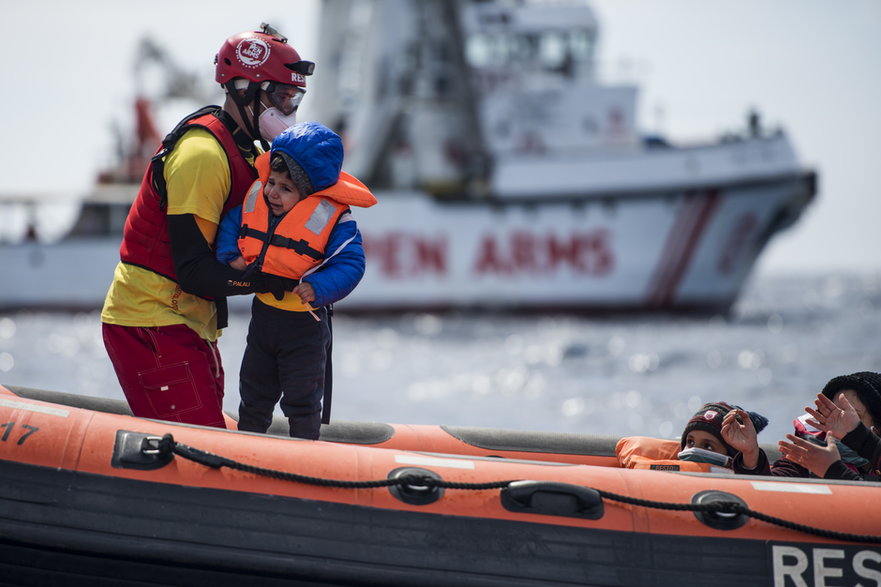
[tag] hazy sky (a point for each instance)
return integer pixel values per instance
(811, 66)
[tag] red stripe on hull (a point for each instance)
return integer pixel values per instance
(681, 244)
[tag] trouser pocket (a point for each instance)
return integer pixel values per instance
(170, 389)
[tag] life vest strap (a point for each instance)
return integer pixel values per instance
(157, 177)
(301, 247)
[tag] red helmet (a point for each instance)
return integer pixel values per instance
(261, 56)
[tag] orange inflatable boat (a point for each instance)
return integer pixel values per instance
(91, 495)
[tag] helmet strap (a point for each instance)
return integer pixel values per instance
(256, 118)
(252, 124)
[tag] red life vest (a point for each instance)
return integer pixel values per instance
(145, 240)
(297, 243)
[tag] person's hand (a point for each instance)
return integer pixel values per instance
(813, 457)
(238, 263)
(305, 291)
(838, 420)
(250, 272)
(274, 284)
(740, 433)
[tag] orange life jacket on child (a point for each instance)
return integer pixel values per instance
(298, 241)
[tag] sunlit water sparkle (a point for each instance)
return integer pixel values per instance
(615, 375)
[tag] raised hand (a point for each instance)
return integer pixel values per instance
(740, 433)
(839, 419)
(813, 457)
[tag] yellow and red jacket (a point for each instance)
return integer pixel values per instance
(145, 240)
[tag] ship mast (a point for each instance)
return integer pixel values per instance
(394, 81)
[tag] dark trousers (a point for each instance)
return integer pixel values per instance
(286, 358)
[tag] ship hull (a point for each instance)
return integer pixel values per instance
(687, 249)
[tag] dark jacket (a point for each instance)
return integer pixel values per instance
(862, 441)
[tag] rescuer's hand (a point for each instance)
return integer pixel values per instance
(277, 286)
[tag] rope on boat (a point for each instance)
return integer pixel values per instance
(168, 446)
(733, 508)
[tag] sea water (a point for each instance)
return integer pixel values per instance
(617, 375)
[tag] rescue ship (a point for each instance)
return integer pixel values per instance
(509, 175)
(92, 495)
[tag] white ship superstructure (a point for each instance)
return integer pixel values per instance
(508, 175)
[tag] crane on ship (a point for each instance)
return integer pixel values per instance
(158, 81)
(161, 87)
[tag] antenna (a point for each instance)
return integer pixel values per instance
(272, 31)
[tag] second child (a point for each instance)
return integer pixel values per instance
(727, 430)
(719, 437)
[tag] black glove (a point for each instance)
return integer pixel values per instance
(264, 282)
(251, 272)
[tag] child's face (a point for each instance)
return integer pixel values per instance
(281, 193)
(860, 407)
(704, 440)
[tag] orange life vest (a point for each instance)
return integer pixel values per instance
(297, 243)
(643, 452)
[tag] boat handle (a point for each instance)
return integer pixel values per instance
(551, 498)
(136, 450)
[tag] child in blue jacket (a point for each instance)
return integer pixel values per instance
(296, 223)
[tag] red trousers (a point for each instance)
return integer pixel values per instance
(168, 373)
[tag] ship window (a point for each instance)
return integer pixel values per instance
(550, 50)
(553, 50)
(580, 44)
(478, 51)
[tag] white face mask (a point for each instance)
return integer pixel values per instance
(272, 122)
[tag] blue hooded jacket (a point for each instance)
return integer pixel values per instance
(319, 151)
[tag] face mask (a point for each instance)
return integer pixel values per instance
(272, 122)
(699, 455)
